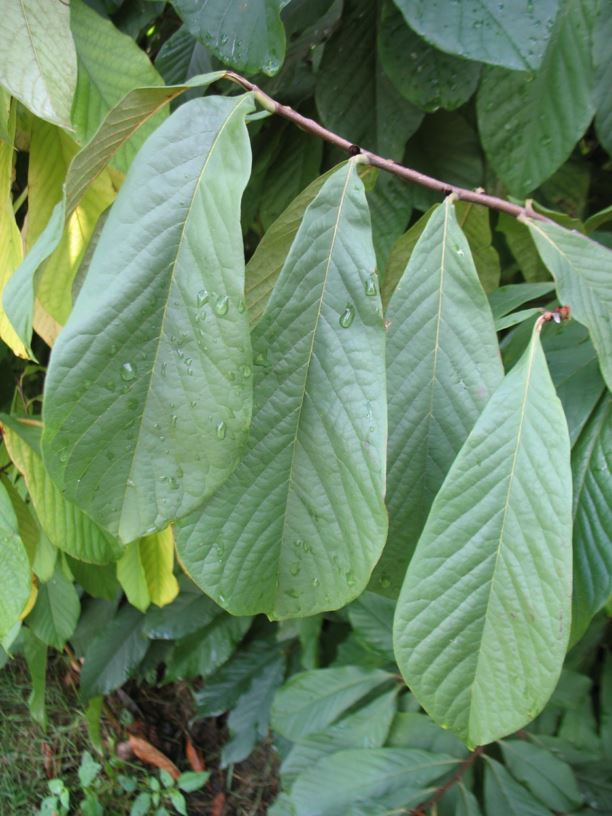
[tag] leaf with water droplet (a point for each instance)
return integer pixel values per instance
(347, 316)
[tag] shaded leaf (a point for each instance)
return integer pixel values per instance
(503, 795)
(508, 298)
(547, 777)
(35, 653)
(15, 575)
(56, 612)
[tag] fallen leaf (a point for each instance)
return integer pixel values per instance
(218, 805)
(151, 756)
(49, 763)
(194, 757)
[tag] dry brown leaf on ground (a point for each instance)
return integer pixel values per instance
(194, 757)
(151, 756)
(218, 805)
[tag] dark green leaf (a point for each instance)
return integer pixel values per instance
(548, 778)
(508, 298)
(503, 795)
(56, 611)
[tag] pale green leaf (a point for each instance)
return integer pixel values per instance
(502, 794)
(483, 618)
(548, 778)
(249, 37)
(157, 347)
(443, 364)
(529, 123)
(425, 76)
(311, 701)
(67, 527)
(145, 570)
(15, 577)
(5, 114)
(38, 59)
(513, 319)
(56, 611)
(110, 65)
(388, 776)
(582, 270)
(300, 523)
(591, 462)
(510, 34)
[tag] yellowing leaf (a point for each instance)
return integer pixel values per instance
(145, 571)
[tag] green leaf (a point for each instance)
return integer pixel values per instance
(310, 701)
(96, 614)
(120, 123)
(35, 653)
(591, 460)
(155, 370)
(371, 617)
(603, 75)
(529, 123)
(390, 204)
(475, 222)
(503, 795)
(482, 622)
(522, 248)
(508, 298)
(510, 34)
(464, 803)
(93, 715)
(443, 364)
(548, 778)
(424, 76)
(304, 507)
(249, 38)
(264, 267)
(190, 781)
(98, 580)
(605, 702)
(400, 255)
(182, 57)
(67, 527)
(145, 570)
(141, 805)
(203, 652)
(411, 729)
(38, 60)
(114, 654)
(15, 576)
(582, 270)
(354, 97)
(389, 776)
(513, 319)
(189, 612)
(56, 611)
(110, 65)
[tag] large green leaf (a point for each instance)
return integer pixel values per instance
(67, 527)
(135, 109)
(547, 777)
(443, 364)
(249, 37)
(591, 461)
(423, 75)
(502, 794)
(15, 576)
(181, 57)
(529, 123)
(157, 347)
(312, 700)
(300, 524)
(483, 618)
(582, 270)
(38, 59)
(110, 64)
(56, 612)
(388, 776)
(354, 96)
(510, 34)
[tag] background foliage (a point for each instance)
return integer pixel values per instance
(335, 385)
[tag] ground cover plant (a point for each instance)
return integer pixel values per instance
(306, 323)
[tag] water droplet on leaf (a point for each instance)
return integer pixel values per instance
(347, 316)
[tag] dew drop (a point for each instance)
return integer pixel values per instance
(202, 297)
(245, 370)
(347, 316)
(222, 305)
(164, 369)
(127, 372)
(261, 359)
(350, 579)
(371, 289)
(241, 306)
(63, 457)
(173, 420)
(384, 582)
(221, 430)
(295, 569)
(315, 582)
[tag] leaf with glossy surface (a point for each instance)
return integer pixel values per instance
(56, 612)
(582, 270)
(443, 364)
(425, 76)
(38, 59)
(15, 576)
(301, 522)
(591, 461)
(172, 406)
(483, 618)
(529, 123)
(510, 34)
(67, 527)
(248, 37)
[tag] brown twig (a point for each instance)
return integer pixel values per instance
(406, 173)
(421, 810)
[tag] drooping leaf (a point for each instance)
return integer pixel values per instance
(38, 59)
(388, 776)
(582, 270)
(303, 512)
(502, 794)
(110, 65)
(425, 76)
(548, 778)
(529, 123)
(152, 564)
(67, 527)
(482, 622)
(169, 258)
(591, 461)
(510, 34)
(121, 122)
(443, 364)
(114, 654)
(15, 576)
(311, 701)
(56, 612)
(249, 38)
